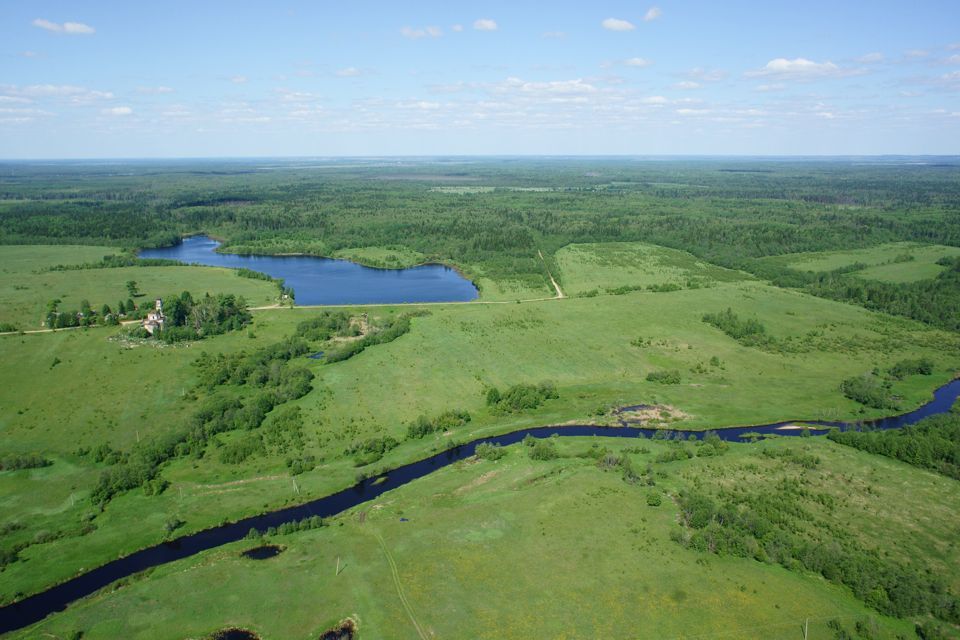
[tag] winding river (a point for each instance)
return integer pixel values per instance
(38, 606)
(325, 281)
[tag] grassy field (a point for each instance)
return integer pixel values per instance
(103, 391)
(588, 267)
(475, 545)
(25, 288)
(893, 262)
(85, 388)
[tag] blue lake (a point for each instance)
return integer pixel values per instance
(327, 281)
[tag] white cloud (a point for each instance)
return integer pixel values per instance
(577, 86)
(152, 91)
(238, 79)
(421, 32)
(457, 28)
(555, 34)
(422, 105)
(802, 69)
(485, 24)
(616, 24)
(70, 93)
(776, 86)
(117, 111)
(954, 59)
(652, 14)
(871, 58)
(687, 84)
(659, 100)
(692, 112)
(30, 54)
(916, 54)
(954, 46)
(70, 28)
(349, 72)
(637, 62)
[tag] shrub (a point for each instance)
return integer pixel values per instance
(543, 449)
(869, 390)
(671, 376)
(488, 451)
(443, 422)
(904, 368)
(521, 397)
(13, 462)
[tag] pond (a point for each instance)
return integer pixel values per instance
(328, 281)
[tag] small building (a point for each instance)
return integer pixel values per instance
(155, 318)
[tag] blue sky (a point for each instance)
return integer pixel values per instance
(185, 79)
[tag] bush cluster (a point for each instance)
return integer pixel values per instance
(520, 397)
(447, 420)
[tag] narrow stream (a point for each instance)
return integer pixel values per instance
(40, 605)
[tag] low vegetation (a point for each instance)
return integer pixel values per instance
(520, 397)
(933, 443)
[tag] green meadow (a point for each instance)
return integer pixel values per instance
(588, 267)
(518, 548)
(86, 388)
(894, 262)
(27, 284)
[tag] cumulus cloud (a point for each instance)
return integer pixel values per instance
(802, 69)
(652, 14)
(69, 28)
(616, 24)
(637, 62)
(656, 100)
(415, 33)
(577, 86)
(485, 24)
(117, 111)
(687, 84)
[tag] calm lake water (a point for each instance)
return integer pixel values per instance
(326, 281)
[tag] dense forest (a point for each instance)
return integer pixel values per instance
(490, 217)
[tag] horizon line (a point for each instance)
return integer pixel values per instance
(436, 156)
